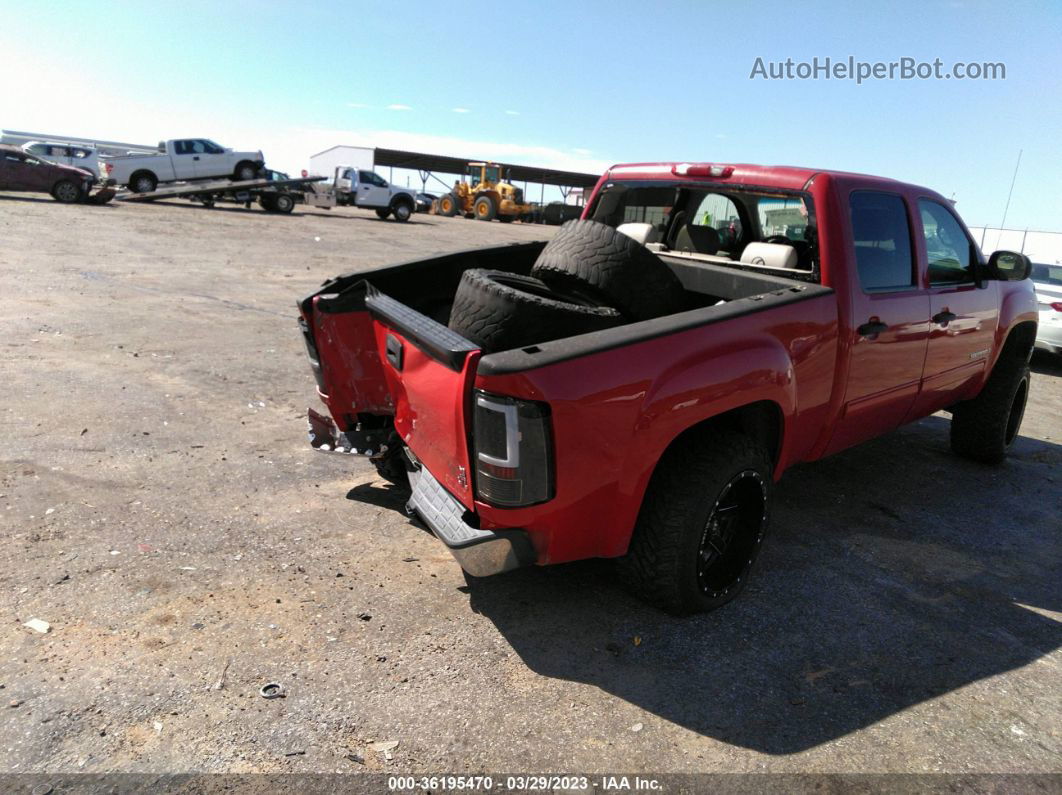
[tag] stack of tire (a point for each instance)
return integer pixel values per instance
(589, 277)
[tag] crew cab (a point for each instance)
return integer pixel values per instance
(823, 309)
(358, 187)
(182, 159)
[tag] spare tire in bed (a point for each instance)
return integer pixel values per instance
(499, 311)
(596, 259)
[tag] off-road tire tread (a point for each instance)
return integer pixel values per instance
(978, 426)
(499, 317)
(623, 272)
(672, 501)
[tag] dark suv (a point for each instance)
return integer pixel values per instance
(21, 171)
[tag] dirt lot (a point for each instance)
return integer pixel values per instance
(164, 512)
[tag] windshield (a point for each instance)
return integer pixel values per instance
(716, 222)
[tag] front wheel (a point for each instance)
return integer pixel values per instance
(383, 213)
(702, 523)
(402, 211)
(484, 208)
(66, 192)
(245, 171)
(982, 429)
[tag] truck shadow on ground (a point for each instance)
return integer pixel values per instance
(895, 573)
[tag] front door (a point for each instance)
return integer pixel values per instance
(372, 190)
(185, 159)
(963, 316)
(890, 311)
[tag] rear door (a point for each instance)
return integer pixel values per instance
(889, 312)
(963, 316)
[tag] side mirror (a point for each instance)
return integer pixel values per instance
(1009, 266)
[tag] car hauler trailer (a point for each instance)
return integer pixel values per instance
(275, 196)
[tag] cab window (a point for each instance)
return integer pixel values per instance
(712, 226)
(182, 147)
(882, 239)
(949, 251)
(210, 148)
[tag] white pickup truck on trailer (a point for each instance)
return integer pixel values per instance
(359, 187)
(182, 159)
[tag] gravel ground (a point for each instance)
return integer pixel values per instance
(165, 514)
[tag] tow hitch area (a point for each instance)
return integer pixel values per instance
(105, 193)
(326, 437)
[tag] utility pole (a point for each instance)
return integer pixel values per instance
(1013, 179)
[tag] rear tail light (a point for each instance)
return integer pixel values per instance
(108, 167)
(513, 450)
(1057, 306)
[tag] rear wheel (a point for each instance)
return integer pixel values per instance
(143, 182)
(484, 209)
(499, 311)
(383, 213)
(284, 203)
(66, 192)
(702, 523)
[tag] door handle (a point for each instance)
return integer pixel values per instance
(944, 318)
(872, 329)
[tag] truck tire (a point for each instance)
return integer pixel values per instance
(383, 213)
(245, 170)
(499, 311)
(66, 192)
(448, 205)
(624, 274)
(143, 182)
(702, 523)
(283, 203)
(484, 209)
(402, 209)
(983, 428)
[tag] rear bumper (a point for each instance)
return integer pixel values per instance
(480, 552)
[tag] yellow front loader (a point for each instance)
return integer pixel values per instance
(484, 196)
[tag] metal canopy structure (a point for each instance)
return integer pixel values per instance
(419, 161)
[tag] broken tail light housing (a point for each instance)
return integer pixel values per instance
(702, 170)
(513, 450)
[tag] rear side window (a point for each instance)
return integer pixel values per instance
(882, 238)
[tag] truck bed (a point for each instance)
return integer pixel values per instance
(416, 298)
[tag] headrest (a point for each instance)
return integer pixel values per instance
(705, 239)
(771, 255)
(639, 233)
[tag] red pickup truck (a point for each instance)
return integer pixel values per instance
(822, 309)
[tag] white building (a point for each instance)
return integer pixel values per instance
(324, 163)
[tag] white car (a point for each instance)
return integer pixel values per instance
(183, 159)
(1047, 279)
(66, 155)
